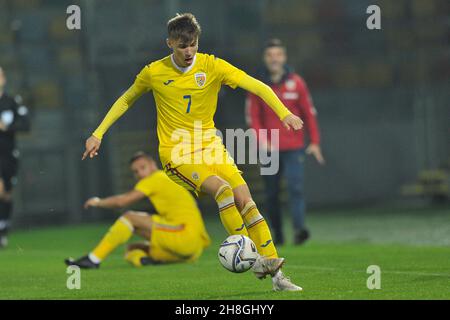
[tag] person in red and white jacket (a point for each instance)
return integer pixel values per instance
(293, 92)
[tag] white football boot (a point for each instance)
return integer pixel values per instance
(266, 266)
(282, 283)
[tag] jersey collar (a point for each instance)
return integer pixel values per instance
(183, 70)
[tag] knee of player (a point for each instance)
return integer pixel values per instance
(224, 191)
(129, 216)
(214, 185)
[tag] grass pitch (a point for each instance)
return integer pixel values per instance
(411, 248)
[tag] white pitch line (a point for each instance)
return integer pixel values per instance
(413, 273)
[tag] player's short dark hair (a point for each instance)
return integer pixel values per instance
(274, 42)
(138, 155)
(185, 27)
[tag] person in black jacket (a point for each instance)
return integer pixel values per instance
(13, 118)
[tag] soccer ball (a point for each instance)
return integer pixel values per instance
(237, 253)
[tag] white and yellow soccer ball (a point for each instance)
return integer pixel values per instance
(237, 253)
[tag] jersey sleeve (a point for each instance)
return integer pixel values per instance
(145, 186)
(229, 74)
(254, 115)
(253, 112)
(263, 91)
(143, 79)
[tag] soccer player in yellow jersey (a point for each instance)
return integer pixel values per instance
(185, 86)
(175, 233)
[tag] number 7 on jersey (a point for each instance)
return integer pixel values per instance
(189, 102)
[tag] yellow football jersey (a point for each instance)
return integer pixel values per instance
(173, 203)
(186, 99)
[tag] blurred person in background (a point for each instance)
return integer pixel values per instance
(293, 92)
(13, 118)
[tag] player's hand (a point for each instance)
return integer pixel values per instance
(292, 121)
(315, 150)
(92, 202)
(92, 146)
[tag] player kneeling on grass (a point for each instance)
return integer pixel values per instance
(176, 233)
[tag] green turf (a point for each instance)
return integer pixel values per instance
(410, 248)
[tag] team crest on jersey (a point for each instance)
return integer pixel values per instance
(200, 78)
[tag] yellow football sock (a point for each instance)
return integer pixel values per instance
(134, 257)
(229, 214)
(119, 233)
(258, 230)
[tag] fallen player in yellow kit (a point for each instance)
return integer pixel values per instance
(175, 233)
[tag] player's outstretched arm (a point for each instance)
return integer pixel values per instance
(117, 110)
(266, 93)
(115, 202)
